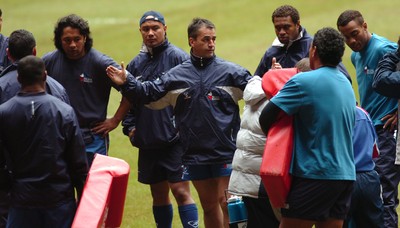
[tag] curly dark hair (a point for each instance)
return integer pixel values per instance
(73, 21)
(330, 46)
(349, 15)
(286, 10)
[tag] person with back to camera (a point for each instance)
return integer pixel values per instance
(43, 149)
(322, 167)
(368, 49)
(204, 92)
(245, 179)
(160, 152)
(21, 44)
(366, 208)
(82, 71)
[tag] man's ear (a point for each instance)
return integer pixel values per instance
(9, 55)
(44, 75)
(34, 51)
(19, 79)
(298, 25)
(190, 41)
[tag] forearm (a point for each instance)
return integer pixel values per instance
(122, 110)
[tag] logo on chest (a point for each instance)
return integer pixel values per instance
(84, 78)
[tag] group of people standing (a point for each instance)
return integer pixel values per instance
(181, 110)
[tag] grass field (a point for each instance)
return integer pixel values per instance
(244, 31)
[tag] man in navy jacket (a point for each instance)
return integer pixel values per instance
(204, 93)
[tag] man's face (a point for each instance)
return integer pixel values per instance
(204, 44)
(356, 35)
(153, 33)
(73, 43)
(1, 22)
(285, 29)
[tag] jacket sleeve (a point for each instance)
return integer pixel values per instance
(263, 66)
(76, 155)
(129, 122)
(387, 76)
(3, 171)
(145, 92)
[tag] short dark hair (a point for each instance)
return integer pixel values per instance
(1, 13)
(30, 70)
(349, 15)
(330, 46)
(196, 24)
(73, 21)
(286, 10)
(21, 43)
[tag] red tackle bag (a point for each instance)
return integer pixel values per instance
(103, 197)
(278, 149)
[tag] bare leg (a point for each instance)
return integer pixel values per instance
(212, 199)
(160, 193)
(181, 192)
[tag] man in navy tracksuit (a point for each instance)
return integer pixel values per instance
(160, 152)
(204, 93)
(44, 150)
(21, 44)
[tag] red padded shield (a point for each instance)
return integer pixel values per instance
(103, 197)
(278, 149)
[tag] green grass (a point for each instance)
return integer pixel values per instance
(244, 31)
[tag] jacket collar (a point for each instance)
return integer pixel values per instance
(156, 50)
(277, 43)
(200, 62)
(10, 68)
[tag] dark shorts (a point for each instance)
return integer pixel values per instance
(202, 172)
(318, 200)
(165, 164)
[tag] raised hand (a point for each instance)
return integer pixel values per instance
(275, 65)
(116, 75)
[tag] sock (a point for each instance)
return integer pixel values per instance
(163, 216)
(189, 216)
